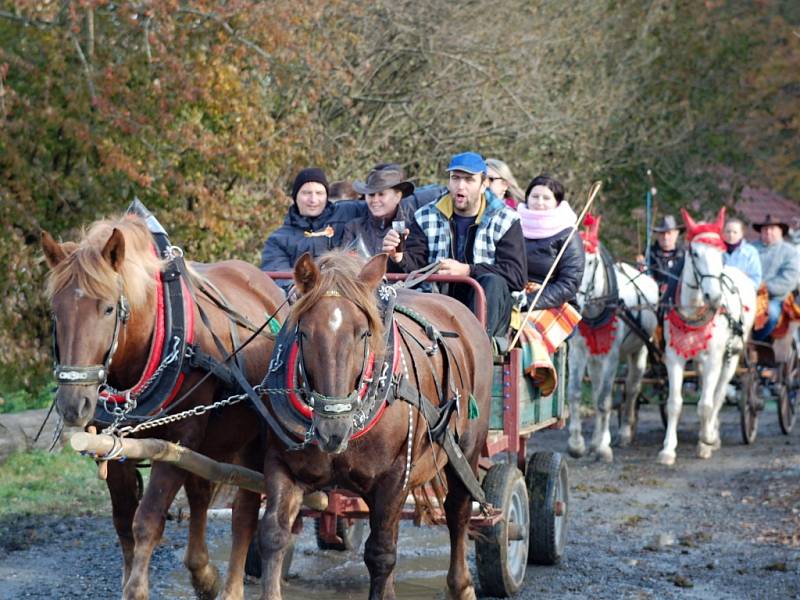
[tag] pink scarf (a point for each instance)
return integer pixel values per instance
(539, 224)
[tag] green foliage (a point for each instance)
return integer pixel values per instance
(39, 394)
(37, 482)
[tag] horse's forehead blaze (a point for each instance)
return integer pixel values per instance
(336, 319)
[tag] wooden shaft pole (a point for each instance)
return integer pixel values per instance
(194, 462)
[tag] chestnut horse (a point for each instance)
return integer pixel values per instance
(103, 293)
(340, 347)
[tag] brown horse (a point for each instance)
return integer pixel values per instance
(103, 293)
(341, 344)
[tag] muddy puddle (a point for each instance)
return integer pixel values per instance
(422, 567)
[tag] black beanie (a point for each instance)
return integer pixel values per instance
(306, 175)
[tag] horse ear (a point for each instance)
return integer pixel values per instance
(53, 252)
(721, 219)
(687, 218)
(372, 273)
(306, 273)
(114, 250)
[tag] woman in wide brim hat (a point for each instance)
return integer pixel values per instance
(770, 220)
(384, 177)
(389, 197)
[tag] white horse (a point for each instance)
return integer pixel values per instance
(604, 285)
(726, 299)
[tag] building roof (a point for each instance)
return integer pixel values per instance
(755, 204)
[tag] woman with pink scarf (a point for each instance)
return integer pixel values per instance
(546, 223)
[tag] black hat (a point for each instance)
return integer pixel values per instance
(308, 175)
(384, 177)
(667, 223)
(770, 220)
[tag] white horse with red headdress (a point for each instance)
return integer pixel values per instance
(713, 313)
(618, 304)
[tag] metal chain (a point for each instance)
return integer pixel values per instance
(192, 412)
(171, 358)
(121, 413)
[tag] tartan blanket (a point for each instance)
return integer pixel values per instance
(541, 336)
(762, 306)
(790, 311)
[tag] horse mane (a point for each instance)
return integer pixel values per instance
(339, 272)
(86, 267)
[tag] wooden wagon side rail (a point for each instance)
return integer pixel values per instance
(180, 456)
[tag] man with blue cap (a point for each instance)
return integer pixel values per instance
(469, 232)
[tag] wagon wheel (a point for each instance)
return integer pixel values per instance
(252, 564)
(350, 530)
(749, 405)
(501, 551)
(548, 488)
(787, 398)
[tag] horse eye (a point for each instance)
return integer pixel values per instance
(109, 310)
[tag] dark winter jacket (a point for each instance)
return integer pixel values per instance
(665, 267)
(365, 235)
(566, 279)
(300, 234)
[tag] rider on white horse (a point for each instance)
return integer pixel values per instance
(618, 307)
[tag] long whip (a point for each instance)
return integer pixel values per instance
(593, 191)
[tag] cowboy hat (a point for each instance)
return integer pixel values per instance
(384, 177)
(667, 223)
(770, 220)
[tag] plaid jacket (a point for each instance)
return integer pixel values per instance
(492, 224)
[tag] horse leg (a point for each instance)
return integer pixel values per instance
(458, 508)
(603, 372)
(675, 365)
(205, 576)
(577, 362)
(244, 522)
(123, 486)
(637, 363)
(380, 550)
(284, 498)
(709, 439)
(148, 525)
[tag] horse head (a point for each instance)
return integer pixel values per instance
(339, 332)
(592, 282)
(91, 301)
(704, 260)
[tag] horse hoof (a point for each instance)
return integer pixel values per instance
(625, 439)
(704, 450)
(467, 593)
(666, 458)
(604, 454)
(208, 584)
(576, 451)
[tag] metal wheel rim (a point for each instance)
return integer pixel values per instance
(517, 550)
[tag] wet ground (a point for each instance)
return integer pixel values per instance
(724, 528)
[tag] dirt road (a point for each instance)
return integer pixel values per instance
(724, 528)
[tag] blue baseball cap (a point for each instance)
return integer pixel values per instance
(469, 162)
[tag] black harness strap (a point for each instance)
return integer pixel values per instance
(237, 374)
(457, 459)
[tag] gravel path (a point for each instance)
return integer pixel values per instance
(724, 528)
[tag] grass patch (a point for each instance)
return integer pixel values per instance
(65, 483)
(14, 398)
